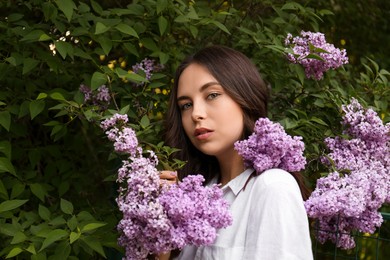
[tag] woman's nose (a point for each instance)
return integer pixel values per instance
(198, 112)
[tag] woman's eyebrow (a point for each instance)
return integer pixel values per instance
(202, 88)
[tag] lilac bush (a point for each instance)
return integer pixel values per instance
(349, 198)
(269, 146)
(310, 43)
(157, 217)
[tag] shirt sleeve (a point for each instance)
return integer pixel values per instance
(278, 225)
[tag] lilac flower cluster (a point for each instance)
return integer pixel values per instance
(349, 198)
(315, 43)
(270, 146)
(158, 218)
(195, 212)
(148, 66)
(101, 97)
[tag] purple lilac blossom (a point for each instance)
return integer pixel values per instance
(103, 94)
(302, 46)
(87, 91)
(270, 146)
(148, 66)
(196, 212)
(349, 198)
(157, 217)
(100, 97)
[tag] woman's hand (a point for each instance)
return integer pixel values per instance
(164, 256)
(168, 177)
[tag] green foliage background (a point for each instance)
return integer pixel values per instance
(57, 172)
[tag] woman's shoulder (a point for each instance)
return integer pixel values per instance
(277, 180)
(275, 175)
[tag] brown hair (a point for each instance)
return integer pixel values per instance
(241, 81)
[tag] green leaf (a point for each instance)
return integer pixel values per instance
(314, 56)
(129, 75)
(101, 28)
(288, 123)
(318, 121)
(11, 204)
(66, 6)
(66, 206)
(300, 72)
(194, 31)
(149, 44)
(18, 237)
(15, 17)
(57, 96)
(15, 59)
(5, 120)
(291, 6)
(3, 191)
(182, 19)
(64, 49)
(17, 189)
(14, 252)
(96, 7)
(144, 122)
(97, 80)
(44, 212)
(49, 10)
(92, 226)
(6, 166)
(126, 29)
(8, 229)
(123, 111)
(221, 26)
(54, 235)
(163, 57)
(44, 37)
(161, 5)
(41, 96)
(38, 190)
(73, 237)
(106, 44)
(63, 250)
(36, 107)
(63, 188)
(94, 244)
(56, 129)
(29, 64)
(58, 221)
(72, 223)
(11, 60)
(162, 24)
(34, 36)
(31, 249)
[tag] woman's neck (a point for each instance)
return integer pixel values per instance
(231, 165)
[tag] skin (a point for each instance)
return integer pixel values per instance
(169, 177)
(212, 120)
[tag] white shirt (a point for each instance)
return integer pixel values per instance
(269, 221)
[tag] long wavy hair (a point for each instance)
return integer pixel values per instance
(240, 79)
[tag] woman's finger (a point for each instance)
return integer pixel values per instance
(168, 175)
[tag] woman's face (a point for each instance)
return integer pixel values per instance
(212, 120)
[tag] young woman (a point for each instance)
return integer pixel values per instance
(217, 96)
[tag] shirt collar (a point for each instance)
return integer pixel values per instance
(238, 183)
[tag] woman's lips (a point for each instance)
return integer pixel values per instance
(202, 133)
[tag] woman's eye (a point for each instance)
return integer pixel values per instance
(213, 95)
(185, 106)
